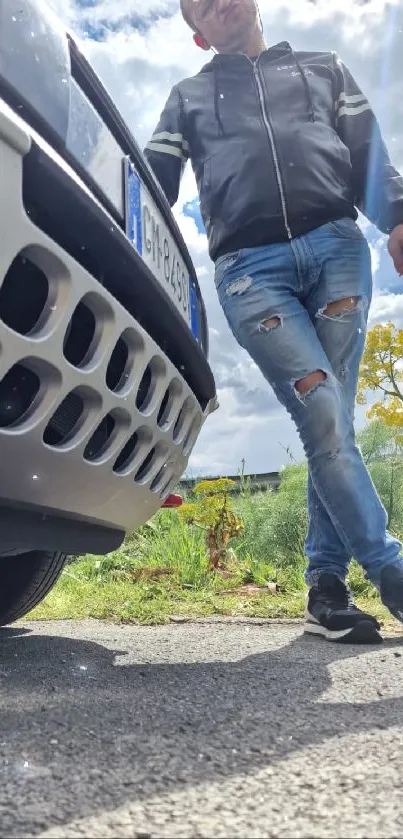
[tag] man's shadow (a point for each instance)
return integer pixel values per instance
(80, 726)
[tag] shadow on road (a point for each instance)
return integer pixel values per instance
(81, 726)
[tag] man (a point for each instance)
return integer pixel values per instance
(284, 146)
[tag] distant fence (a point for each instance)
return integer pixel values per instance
(263, 482)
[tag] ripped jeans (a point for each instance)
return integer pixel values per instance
(300, 308)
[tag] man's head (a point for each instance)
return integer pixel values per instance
(226, 25)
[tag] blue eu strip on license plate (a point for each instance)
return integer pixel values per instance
(153, 241)
(134, 210)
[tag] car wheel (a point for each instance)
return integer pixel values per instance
(25, 580)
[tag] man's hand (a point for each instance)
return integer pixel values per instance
(395, 247)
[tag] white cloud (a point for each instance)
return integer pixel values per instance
(140, 65)
(196, 242)
(230, 437)
(353, 20)
(376, 249)
(387, 307)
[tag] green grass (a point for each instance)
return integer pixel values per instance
(154, 603)
(78, 596)
(103, 587)
(270, 549)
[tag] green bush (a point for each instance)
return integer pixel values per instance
(276, 522)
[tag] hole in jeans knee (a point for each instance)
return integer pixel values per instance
(340, 307)
(268, 324)
(309, 382)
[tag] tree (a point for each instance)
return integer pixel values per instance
(382, 449)
(382, 370)
(379, 442)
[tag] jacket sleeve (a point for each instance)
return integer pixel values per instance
(378, 186)
(168, 150)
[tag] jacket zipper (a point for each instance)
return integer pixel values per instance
(269, 130)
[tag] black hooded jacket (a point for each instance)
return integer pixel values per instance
(279, 146)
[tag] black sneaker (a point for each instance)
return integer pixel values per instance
(391, 590)
(330, 612)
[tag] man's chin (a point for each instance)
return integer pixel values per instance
(234, 45)
(238, 37)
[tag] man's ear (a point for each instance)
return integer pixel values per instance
(201, 42)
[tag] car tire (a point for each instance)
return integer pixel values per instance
(25, 580)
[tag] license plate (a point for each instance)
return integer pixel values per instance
(149, 235)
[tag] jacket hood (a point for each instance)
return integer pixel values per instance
(221, 60)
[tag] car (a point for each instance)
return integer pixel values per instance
(104, 377)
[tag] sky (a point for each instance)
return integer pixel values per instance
(140, 48)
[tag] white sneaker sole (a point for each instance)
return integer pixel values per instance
(363, 632)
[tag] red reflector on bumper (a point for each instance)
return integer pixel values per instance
(173, 501)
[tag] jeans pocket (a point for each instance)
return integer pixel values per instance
(224, 263)
(346, 228)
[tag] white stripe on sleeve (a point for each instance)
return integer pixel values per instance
(174, 138)
(165, 149)
(347, 111)
(351, 100)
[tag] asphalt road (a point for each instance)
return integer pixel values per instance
(198, 730)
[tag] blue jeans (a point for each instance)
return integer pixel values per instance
(275, 299)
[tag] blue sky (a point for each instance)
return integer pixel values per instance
(140, 48)
(192, 210)
(103, 27)
(98, 24)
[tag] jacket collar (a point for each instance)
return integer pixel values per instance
(224, 59)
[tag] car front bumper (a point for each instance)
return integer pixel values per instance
(70, 477)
